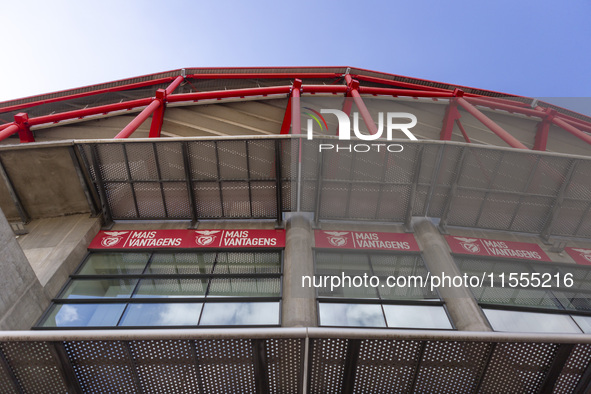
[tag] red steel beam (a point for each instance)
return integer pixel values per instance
(495, 104)
(285, 126)
(265, 76)
(296, 124)
(572, 129)
(543, 131)
(492, 126)
(335, 89)
(137, 122)
(399, 84)
(85, 94)
(220, 94)
(82, 113)
(158, 117)
(354, 92)
(8, 131)
(24, 131)
(451, 115)
(403, 92)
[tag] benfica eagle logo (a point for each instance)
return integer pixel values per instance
(114, 237)
(205, 237)
(585, 253)
(337, 238)
(468, 244)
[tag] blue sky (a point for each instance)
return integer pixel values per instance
(531, 48)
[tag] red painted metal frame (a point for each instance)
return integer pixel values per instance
(155, 106)
(295, 89)
(491, 125)
(158, 116)
(353, 86)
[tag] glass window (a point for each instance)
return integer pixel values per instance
(351, 315)
(240, 314)
(102, 288)
(416, 316)
(561, 288)
(518, 321)
(385, 281)
(171, 289)
(114, 264)
(83, 315)
(584, 323)
(172, 314)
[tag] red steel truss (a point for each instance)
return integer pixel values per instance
(350, 86)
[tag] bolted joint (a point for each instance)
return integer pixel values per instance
(297, 84)
(458, 92)
(24, 132)
(161, 95)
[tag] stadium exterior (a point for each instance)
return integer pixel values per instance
(197, 231)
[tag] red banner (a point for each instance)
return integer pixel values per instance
(580, 255)
(365, 240)
(491, 247)
(150, 239)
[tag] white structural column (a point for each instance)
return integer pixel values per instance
(299, 303)
(22, 299)
(461, 305)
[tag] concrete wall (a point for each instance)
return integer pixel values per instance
(22, 298)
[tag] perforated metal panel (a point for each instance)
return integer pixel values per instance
(517, 367)
(387, 365)
(451, 367)
(35, 366)
(574, 368)
(464, 185)
(328, 366)
(276, 365)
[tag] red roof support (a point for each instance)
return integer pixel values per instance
(492, 126)
(285, 126)
(8, 131)
(158, 116)
(24, 131)
(353, 86)
(296, 124)
(544, 130)
(572, 129)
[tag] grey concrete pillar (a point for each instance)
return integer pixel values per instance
(299, 303)
(22, 298)
(461, 305)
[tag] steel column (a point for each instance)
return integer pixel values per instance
(158, 116)
(161, 95)
(543, 130)
(492, 126)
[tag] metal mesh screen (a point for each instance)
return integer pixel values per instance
(469, 186)
(275, 365)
